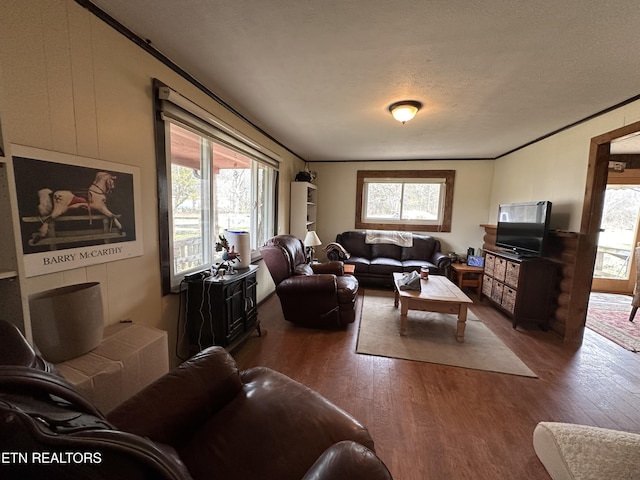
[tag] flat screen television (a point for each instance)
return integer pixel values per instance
(523, 227)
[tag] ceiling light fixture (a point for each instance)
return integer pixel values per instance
(405, 110)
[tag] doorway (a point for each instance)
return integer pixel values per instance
(614, 271)
(600, 154)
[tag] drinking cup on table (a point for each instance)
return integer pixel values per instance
(424, 272)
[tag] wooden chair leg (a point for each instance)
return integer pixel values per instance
(633, 313)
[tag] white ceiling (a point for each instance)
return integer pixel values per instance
(318, 76)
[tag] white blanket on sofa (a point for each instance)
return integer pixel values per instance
(403, 239)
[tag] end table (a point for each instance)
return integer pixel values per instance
(468, 276)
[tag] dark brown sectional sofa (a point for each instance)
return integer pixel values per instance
(375, 263)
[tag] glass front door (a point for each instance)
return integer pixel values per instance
(613, 270)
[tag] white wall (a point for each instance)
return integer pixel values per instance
(337, 198)
(69, 83)
(555, 169)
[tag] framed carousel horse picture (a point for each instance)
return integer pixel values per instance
(75, 211)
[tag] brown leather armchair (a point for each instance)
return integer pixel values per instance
(203, 420)
(316, 295)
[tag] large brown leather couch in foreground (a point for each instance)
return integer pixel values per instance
(203, 420)
(375, 263)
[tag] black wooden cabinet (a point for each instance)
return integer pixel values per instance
(221, 311)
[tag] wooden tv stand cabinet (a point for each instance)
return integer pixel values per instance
(522, 287)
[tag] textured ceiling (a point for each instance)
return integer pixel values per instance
(318, 76)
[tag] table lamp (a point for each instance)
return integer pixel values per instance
(311, 241)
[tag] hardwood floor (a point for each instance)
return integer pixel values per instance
(439, 422)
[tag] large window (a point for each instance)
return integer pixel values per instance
(416, 200)
(214, 182)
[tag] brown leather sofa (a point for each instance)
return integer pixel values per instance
(203, 420)
(316, 295)
(375, 263)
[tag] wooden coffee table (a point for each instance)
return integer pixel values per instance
(438, 294)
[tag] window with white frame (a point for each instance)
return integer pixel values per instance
(417, 200)
(214, 182)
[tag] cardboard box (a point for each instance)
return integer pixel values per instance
(130, 357)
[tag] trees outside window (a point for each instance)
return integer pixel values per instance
(416, 200)
(213, 188)
(211, 178)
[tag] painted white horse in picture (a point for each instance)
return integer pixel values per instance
(53, 204)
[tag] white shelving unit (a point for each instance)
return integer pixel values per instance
(304, 196)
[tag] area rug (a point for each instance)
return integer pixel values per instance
(608, 315)
(431, 338)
